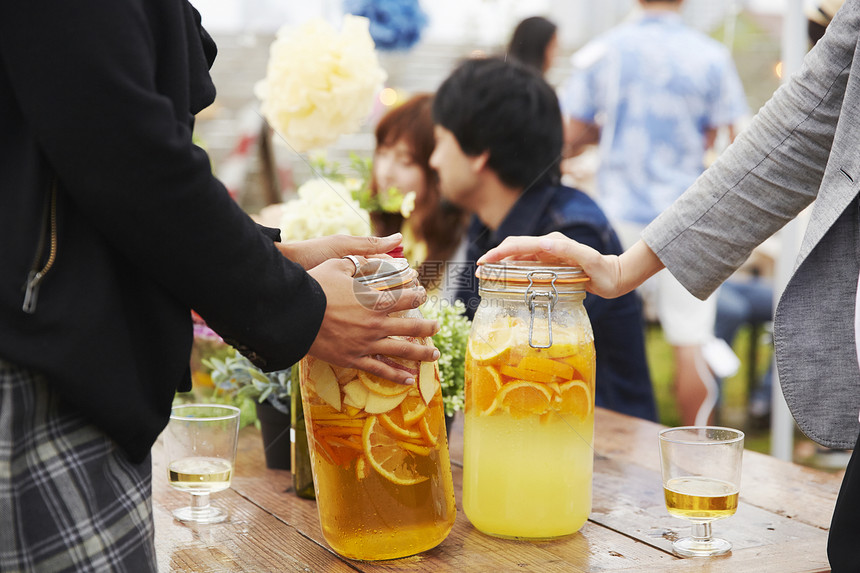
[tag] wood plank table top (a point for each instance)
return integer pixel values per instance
(780, 526)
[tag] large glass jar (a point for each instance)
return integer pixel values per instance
(379, 450)
(529, 416)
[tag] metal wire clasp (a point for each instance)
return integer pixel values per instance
(541, 300)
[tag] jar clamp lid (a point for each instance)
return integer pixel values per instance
(386, 274)
(541, 286)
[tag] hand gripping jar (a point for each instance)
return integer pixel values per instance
(379, 450)
(529, 416)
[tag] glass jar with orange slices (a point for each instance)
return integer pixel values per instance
(379, 451)
(529, 415)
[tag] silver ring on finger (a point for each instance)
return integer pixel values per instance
(354, 260)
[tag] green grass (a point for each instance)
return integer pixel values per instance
(733, 410)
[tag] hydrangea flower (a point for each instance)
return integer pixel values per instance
(320, 83)
(323, 207)
(394, 24)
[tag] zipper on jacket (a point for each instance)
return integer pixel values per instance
(48, 235)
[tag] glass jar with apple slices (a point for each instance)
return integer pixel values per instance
(379, 450)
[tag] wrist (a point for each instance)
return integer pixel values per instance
(636, 265)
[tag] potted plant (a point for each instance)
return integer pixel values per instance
(235, 376)
(451, 341)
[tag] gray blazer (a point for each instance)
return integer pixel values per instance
(803, 146)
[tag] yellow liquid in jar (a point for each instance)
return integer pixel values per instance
(528, 432)
(524, 478)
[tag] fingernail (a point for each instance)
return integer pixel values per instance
(409, 381)
(394, 236)
(436, 355)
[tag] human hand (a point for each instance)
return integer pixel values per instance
(356, 328)
(611, 275)
(312, 252)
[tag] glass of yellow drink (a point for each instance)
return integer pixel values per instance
(200, 442)
(701, 468)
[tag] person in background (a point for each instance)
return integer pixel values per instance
(818, 17)
(434, 231)
(534, 43)
(800, 150)
(112, 229)
(746, 301)
(498, 143)
(652, 93)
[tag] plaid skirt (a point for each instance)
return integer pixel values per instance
(69, 498)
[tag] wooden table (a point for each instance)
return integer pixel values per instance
(781, 524)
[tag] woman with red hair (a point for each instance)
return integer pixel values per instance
(434, 230)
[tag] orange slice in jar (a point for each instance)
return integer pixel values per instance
(430, 425)
(388, 457)
(394, 423)
(484, 385)
(546, 366)
(583, 363)
(344, 450)
(324, 450)
(382, 386)
(412, 408)
(522, 399)
(575, 399)
(493, 346)
(415, 448)
(361, 469)
(526, 375)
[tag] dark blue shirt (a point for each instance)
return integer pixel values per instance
(623, 381)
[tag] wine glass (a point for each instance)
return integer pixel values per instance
(200, 441)
(701, 468)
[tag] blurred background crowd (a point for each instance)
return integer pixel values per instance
(418, 45)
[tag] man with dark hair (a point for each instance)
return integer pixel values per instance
(498, 142)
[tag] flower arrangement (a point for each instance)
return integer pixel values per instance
(320, 84)
(394, 24)
(323, 207)
(333, 203)
(451, 341)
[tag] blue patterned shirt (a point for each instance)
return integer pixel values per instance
(654, 86)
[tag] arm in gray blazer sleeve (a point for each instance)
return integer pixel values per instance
(768, 176)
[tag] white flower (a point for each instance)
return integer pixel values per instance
(408, 204)
(323, 207)
(320, 84)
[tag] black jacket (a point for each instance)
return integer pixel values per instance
(100, 95)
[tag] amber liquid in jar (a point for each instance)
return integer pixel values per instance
(379, 452)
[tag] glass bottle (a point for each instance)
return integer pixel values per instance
(529, 413)
(300, 457)
(379, 449)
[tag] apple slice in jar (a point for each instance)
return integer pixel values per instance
(427, 381)
(355, 394)
(380, 404)
(325, 383)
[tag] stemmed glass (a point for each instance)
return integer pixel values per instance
(701, 468)
(200, 441)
